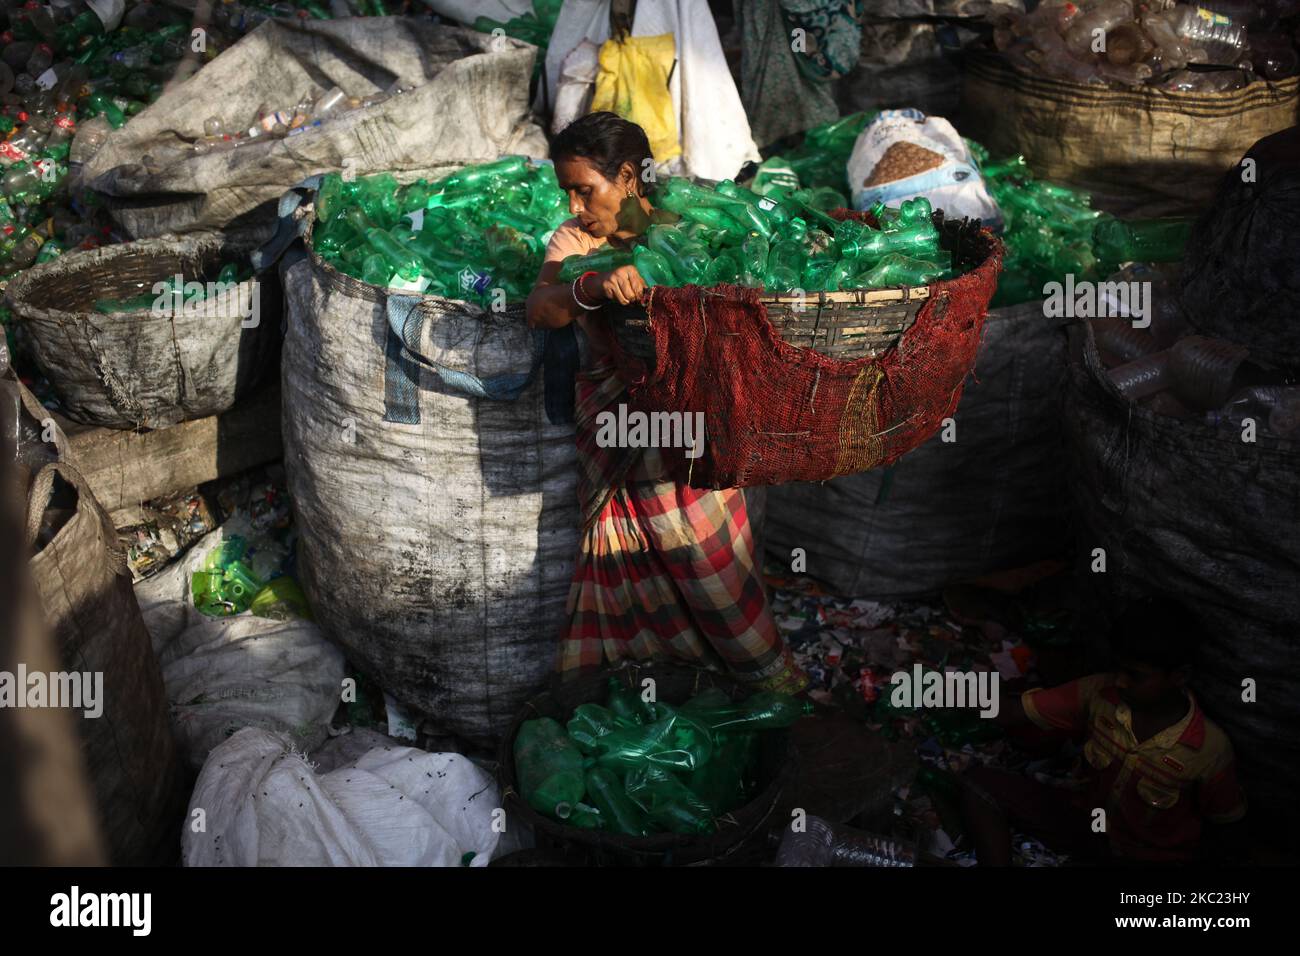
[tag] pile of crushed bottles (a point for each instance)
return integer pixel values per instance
(1051, 231)
(174, 290)
(1173, 45)
(636, 768)
(535, 27)
(819, 164)
(730, 235)
(481, 229)
(226, 585)
(70, 75)
(270, 121)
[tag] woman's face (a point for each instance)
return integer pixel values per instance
(593, 199)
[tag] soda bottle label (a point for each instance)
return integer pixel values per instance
(399, 284)
(65, 122)
(11, 153)
(417, 220)
(47, 79)
(476, 282)
(767, 205)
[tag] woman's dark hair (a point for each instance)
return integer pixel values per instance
(605, 140)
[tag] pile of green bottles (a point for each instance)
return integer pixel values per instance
(635, 767)
(535, 27)
(226, 584)
(1051, 231)
(819, 164)
(730, 235)
(464, 236)
(230, 274)
(1047, 229)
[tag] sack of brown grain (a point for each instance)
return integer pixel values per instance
(904, 153)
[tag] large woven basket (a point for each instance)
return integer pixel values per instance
(674, 684)
(848, 324)
(137, 368)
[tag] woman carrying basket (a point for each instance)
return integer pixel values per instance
(664, 571)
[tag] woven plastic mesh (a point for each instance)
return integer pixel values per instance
(775, 413)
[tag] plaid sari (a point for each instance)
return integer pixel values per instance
(664, 571)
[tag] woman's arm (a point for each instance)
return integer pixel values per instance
(550, 305)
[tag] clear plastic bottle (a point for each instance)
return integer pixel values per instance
(1223, 41)
(91, 135)
(1080, 37)
(1171, 51)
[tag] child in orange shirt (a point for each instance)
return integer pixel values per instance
(1155, 769)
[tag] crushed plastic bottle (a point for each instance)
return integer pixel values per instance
(463, 236)
(225, 584)
(549, 768)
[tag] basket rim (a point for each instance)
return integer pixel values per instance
(74, 261)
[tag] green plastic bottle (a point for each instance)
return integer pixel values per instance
(717, 220)
(653, 267)
(896, 269)
(619, 811)
(224, 584)
(588, 724)
(785, 263)
(585, 817)
(689, 260)
(667, 802)
(510, 167)
(720, 783)
(548, 767)
(817, 272)
(753, 259)
(677, 742)
(724, 270)
(602, 260)
(1141, 240)
(765, 710)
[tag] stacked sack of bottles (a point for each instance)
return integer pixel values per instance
(72, 71)
(1211, 46)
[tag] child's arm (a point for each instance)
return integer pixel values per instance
(1011, 714)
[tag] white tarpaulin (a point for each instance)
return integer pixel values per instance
(263, 804)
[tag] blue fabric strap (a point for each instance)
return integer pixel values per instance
(406, 324)
(288, 230)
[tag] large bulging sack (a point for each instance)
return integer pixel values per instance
(469, 103)
(263, 805)
(1142, 152)
(85, 591)
(438, 530)
(1186, 509)
(990, 497)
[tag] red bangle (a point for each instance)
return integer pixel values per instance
(577, 284)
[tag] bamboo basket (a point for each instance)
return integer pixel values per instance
(848, 324)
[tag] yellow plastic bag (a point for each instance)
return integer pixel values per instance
(633, 82)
